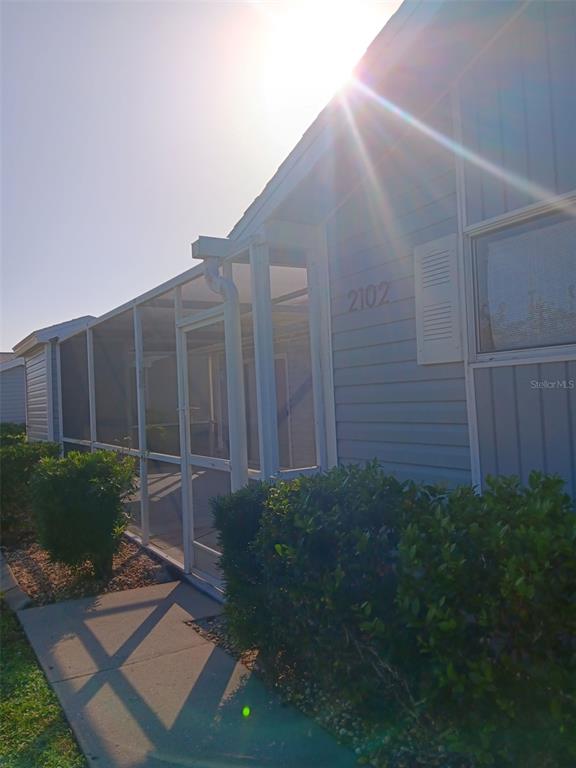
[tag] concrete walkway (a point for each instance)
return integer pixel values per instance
(142, 689)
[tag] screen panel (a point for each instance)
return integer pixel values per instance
(160, 374)
(293, 367)
(115, 381)
(74, 388)
(165, 508)
(206, 485)
(208, 399)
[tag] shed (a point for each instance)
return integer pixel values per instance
(39, 354)
(12, 389)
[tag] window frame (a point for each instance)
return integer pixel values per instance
(472, 234)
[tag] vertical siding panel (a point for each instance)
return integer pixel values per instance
(505, 424)
(556, 421)
(529, 420)
(485, 418)
(512, 112)
(488, 128)
(571, 369)
(537, 95)
(561, 45)
(472, 174)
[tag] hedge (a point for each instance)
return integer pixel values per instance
(451, 609)
(18, 460)
(78, 503)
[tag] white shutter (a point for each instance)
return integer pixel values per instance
(438, 316)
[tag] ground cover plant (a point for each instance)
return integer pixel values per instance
(439, 624)
(78, 504)
(33, 730)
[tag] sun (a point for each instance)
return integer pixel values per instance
(310, 51)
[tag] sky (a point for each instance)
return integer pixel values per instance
(130, 128)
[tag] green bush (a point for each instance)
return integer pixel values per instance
(328, 548)
(488, 583)
(78, 505)
(237, 519)
(11, 432)
(18, 459)
(441, 611)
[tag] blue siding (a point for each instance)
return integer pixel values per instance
(412, 418)
(518, 105)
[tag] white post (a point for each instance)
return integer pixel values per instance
(320, 303)
(142, 442)
(316, 354)
(235, 378)
(184, 423)
(91, 386)
(264, 358)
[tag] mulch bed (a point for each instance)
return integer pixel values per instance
(47, 582)
(214, 628)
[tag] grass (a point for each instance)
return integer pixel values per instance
(33, 730)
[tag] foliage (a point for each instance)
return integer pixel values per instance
(446, 618)
(11, 432)
(78, 504)
(237, 518)
(33, 730)
(18, 459)
(328, 546)
(488, 583)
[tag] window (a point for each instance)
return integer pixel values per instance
(526, 285)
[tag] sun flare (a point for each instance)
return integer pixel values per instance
(311, 49)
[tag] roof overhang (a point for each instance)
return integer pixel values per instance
(37, 339)
(9, 364)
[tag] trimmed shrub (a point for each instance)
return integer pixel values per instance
(488, 583)
(237, 518)
(18, 460)
(78, 505)
(328, 547)
(447, 612)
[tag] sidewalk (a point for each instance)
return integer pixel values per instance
(142, 689)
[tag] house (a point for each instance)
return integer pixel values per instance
(12, 389)
(404, 288)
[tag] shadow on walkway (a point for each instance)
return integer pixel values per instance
(143, 689)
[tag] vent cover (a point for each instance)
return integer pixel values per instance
(438, 301)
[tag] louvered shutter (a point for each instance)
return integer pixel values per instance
(438, 316)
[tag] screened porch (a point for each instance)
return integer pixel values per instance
(211, 380)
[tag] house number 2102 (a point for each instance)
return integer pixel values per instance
(369, 296)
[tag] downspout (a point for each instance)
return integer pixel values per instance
(226, 288)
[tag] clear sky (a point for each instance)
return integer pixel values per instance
(129, 128)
